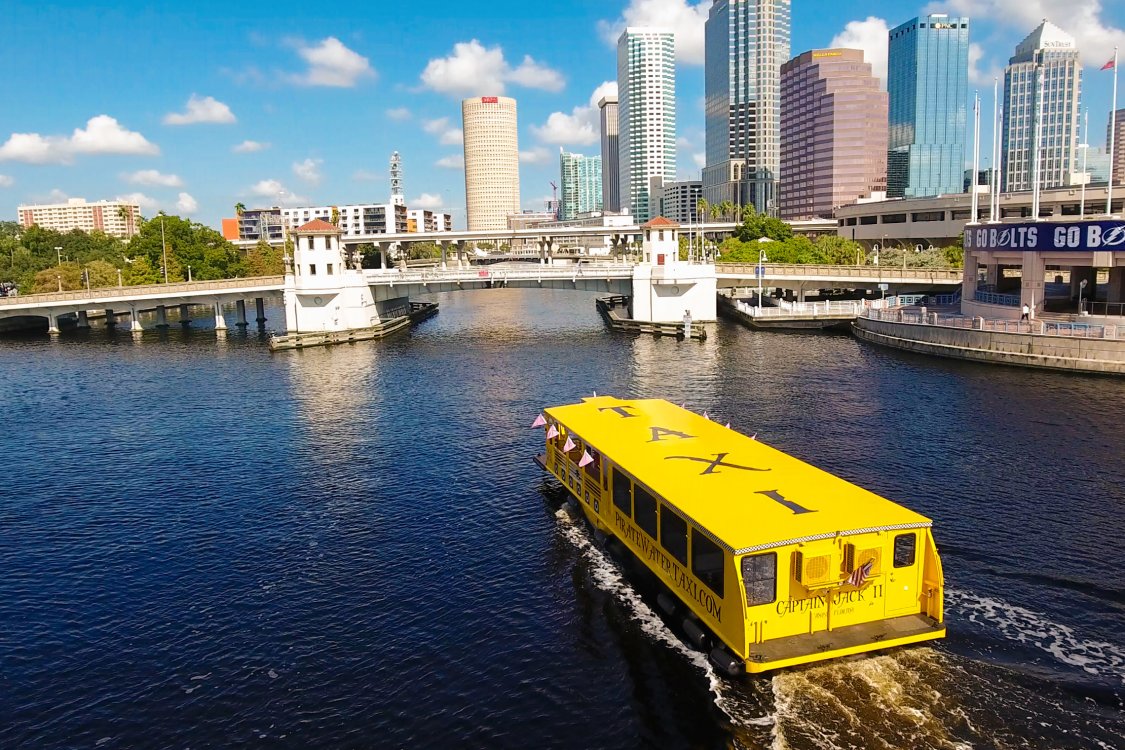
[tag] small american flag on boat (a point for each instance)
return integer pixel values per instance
(859, 575)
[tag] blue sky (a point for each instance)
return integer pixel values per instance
(193, 107)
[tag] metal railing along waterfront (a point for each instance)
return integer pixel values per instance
(146, 290)
(1033, 328)
(993, 298)
(802, 309)
(885, 273)
(437, 275)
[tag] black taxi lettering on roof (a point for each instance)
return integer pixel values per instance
(777, 497)
(713, 463)
(619, 410)
(659, 433)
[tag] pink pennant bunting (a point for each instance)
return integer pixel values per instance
(569, 445)
(727, 425)
(539, 421)
(586, 459)
(754, 436)
(595, 394)
(705, 415)
(552, 433)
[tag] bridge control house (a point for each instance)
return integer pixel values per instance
(1050, 266)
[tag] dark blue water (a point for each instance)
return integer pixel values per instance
(202, 544)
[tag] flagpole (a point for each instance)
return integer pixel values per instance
(994, 182)
(1112, 138)
(1037, 147)
(974, 216)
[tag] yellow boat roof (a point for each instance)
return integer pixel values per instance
(747, 495)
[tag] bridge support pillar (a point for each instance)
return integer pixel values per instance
(444, 252)
(260, 310)
(240, 307)
(384, 263)
(134, 322)
(161, 316)
(110, 319)
(1032, 279)
(185, 316)
(52, 323)
(83, 319)
(461, 261)
(220, 321)
(1116, 291)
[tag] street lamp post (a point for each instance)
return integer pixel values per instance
(189, 273)
(164, 248)
(119, 284)
(58, 278)
(58, 253)
(761, 273)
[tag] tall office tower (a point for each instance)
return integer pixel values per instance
(1117, 120)
(1050, 54)
(833, 133)
(492, 161)
(397, 196)
(581, 184)
(611, 185)
(928, 86)
(646, 88)
(746, 43)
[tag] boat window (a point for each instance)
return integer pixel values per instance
(707, 561)
(759, 576)
(594, 468)
(904, 550)
(622, 495)
(673, 534)
(644, 510)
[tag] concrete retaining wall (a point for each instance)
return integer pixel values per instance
(1025, 350)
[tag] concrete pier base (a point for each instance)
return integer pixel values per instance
(185, 317)
(260, 311)
(220, 321)
(110, 318)
(83, 319)
(52, 324)
(240, 308)
(134, 323)
(161, 316)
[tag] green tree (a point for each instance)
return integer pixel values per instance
(64, 277)
(141, 271)
(704, 208)
(264, 260)
(239, 209)
(188, 244)
(101, 274)
(756, 226)
(839, 250)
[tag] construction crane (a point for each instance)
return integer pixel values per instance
(555, 199)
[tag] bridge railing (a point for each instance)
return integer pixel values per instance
(1034, 327)
(144, 290)
(886, 273)
(476, 273)
(802, 309)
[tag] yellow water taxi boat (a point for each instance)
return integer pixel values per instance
(772, 562)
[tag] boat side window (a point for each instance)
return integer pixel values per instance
(759, 576)
(594, 468)
(622, 494)
(673, 534)
(644, 510)
(904, 550)
(707, 561)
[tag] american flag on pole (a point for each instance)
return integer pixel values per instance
(859, 575)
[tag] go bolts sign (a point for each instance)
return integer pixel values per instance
(1086, 235)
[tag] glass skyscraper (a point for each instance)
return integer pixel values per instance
(928, 85)
(646, 113)
(581, 184)
(1050, 54)
(746, 43)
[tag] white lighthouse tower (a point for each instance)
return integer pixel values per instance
(666, 289)
(325, 289)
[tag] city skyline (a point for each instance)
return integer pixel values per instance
(201, 115)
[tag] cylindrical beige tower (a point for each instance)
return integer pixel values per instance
(492, 161)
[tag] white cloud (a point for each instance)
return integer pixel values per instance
(147, 203)
(681, 16)
(537, 155)
(426, 201)
(102, 135)
(186, 204)
(364, 175)
(249, 147)
(699, 158)
(201, 110)
(474, 69)
(446, 133)
(869, 35)
(399, 114)
(152, 177)
(277, 194)
(977, 75)
(454, 161)
(308, 170)
(582, 127)
(6, 181)
(332, 64)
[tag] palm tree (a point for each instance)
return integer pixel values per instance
(702, 208)
(728, 209)
(716, 211)
(239, 209)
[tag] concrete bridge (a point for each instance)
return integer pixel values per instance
(151, 297)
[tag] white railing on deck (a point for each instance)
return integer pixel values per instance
(1034, 327)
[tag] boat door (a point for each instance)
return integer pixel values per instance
(904, 578)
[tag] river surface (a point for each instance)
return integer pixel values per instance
(206, 545)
